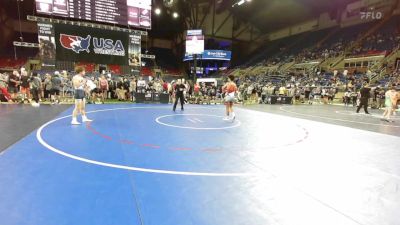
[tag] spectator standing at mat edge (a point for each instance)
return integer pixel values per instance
(56, 86)
(24, 85)
(13, 84)
(35, 84)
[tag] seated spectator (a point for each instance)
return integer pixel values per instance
(5, 96)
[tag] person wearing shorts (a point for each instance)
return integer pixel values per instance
(230, 89)
(25, 88)
(91, 91)
(79, 84)
(103, 86)
(133, 88)
(390, 103)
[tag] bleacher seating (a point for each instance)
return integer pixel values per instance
(8, 63)
(89, 67)
(146, 71)
(274, 48)
(327, 49)
(115, 69)
(385, 38)
(173, 72)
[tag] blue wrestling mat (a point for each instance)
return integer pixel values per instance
(145, 164)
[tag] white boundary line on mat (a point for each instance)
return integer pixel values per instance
(158, 120)
(342, 120)
(131, 168)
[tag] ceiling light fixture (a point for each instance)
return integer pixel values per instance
(241, 2)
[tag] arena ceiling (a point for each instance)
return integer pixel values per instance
(270, 15)
(266, 15)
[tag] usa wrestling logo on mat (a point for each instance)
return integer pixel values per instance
(75, 43)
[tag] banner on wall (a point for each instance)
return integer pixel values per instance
(211, 55)
(134, 50)
(47, 44)
(76, 43)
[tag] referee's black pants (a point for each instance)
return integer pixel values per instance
(181, 98)
(363, 102)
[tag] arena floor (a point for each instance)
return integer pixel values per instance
(144, 164)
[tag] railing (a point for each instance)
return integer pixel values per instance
(378, 75)
(286, 66)
(392, 54)
(380, 64)
(374, 77)
(337, 60)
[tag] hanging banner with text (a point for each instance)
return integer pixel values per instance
(47, 44)
(211, 55)
(134, 50)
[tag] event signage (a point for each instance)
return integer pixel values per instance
(211, 55)
(47, 44)
(194, 32)
(74, 43)
(135, 13)
(135, 50)
(195, 44)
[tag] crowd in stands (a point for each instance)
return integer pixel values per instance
(7, 62)
(378, 43)
(332, 51)
(345, 41)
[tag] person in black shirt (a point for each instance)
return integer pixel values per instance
(126, 88)
(120, 89)
(179, 89)
(25, 91)
(111, 87)
(56, 84)
(365, 95)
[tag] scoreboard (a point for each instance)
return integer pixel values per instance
(136, 13)
(194, 42)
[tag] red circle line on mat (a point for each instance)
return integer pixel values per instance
(209, 150)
